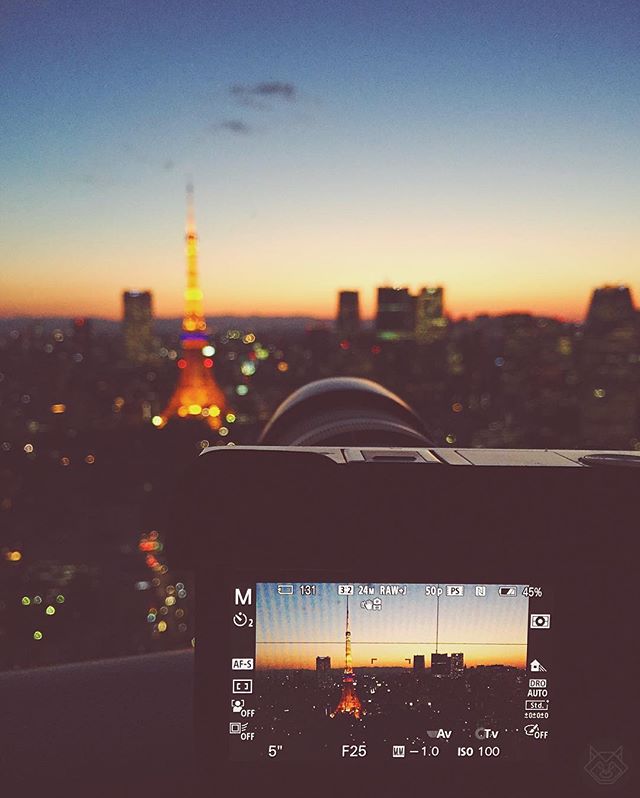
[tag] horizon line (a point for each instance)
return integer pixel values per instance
(220, 314)
(409, 666)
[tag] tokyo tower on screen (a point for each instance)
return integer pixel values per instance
(349, 701)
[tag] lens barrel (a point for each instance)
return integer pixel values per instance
(344, 411)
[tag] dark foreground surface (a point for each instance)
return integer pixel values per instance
(121, 727)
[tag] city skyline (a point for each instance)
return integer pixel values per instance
(368, 318)
(292, 630)
(492, 152)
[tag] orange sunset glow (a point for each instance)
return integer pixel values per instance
(303, 656)
(277, 268)
(305, 282)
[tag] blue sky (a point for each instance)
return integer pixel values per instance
(491, 147)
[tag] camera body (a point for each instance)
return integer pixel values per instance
(369, 617)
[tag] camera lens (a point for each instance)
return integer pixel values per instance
(344, 411)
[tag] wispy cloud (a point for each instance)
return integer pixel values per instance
(237, 126)
(257, 95)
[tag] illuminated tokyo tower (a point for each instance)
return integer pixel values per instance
(349, 701)
(196, 395)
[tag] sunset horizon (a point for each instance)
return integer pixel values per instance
(490, 152)
(556, 308)
(294, 629)
(515, 659)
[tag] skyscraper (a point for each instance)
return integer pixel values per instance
(418, 662)
(609, 368)
(457, 665)
(431, 322)
(137, 326)
(395, 316)
(348, 320)
(196, 394)
(323, 672)
(440, 665)
(610, 304)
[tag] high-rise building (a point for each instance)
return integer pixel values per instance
(457, 665)
(418, 662)
(431, 323)
(323, 672)
(196, 395)
(440, 664)
(395, 316)
(348, 320)
(137, 326)
(610, 304)
(609, 369)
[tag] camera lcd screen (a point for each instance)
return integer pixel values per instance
(430, 671)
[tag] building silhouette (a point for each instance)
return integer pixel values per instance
(440, 664)
(418, 662)
(137, 326)
(348, 320)
(196, 394)
(402, 316)
(457, 665)
(430, 321)
(323, 671)
(395, 315)
(610, 305)
(609, 368)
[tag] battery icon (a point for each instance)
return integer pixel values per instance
(508, 590)
(285, 590)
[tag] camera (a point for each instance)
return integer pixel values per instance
(393, 607)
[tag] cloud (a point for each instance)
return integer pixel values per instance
(256, 94)
(234, 126)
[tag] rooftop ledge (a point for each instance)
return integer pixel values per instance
(123, 722)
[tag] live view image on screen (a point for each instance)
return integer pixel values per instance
(388, 669)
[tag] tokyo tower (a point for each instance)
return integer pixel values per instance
(196, 395)
(349, 701)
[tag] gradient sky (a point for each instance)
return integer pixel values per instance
(488, 146)
(291, 631)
